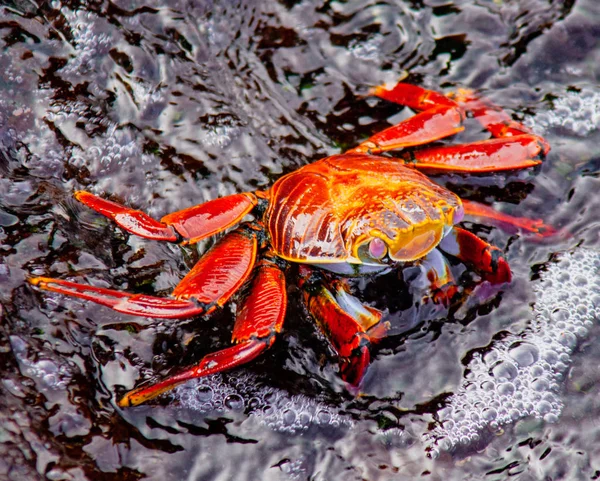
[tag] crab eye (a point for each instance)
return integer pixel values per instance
(459, 214)
(377, 248)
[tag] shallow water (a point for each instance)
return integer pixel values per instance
(162, 105)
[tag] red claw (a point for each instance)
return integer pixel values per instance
(485, 258)
(350, 326)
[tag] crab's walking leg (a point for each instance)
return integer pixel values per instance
(439, 117)
(494, 119)
(193, 224)
(212, 281)
(259, 319)
(350, 326)
(508, 222)
(487, 259)
(515, 146)
(491, 155)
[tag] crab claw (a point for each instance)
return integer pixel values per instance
(351, 327)
(353, 368)
(488, 260)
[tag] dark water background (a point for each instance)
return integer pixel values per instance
(162, 105)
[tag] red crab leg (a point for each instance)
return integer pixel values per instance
(350, 326)
(506, 221)
(494, 119)
(212, 281)
(439, 118)
(193, 224)
(487, 259)
(259, 319)
(514, 147)
(491, 155)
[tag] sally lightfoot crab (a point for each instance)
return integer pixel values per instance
(351, 214)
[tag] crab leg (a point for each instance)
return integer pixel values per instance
(494, 119)
(212, 281)
(514, 147)
(491, 155)
(487, 259)
(259, 319)
(439, 117)
(507, 222)
(350, 326)
(193, 224)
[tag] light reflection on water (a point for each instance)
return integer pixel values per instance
(166, 104)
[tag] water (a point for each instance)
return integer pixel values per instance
(162, 105)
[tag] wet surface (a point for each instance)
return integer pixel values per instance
(164, 105)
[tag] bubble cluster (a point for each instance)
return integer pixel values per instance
(521, 375)
(47, 372)
(61, 113)
(243, 392)
(369, 49)
(579, 112)
(110, 152)
(91, 47)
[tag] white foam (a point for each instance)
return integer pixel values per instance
(521, 375)
(240, 391)
(578, 112)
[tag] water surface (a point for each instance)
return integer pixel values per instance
(162, 105)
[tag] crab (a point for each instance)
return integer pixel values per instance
(356, 213)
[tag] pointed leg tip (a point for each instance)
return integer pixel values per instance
(136, 397)
(378, 90)
(82, 195)
(132, 399)
(124, 402)
(40, 282)
(462, 95)
(544, 146)
(35, 281)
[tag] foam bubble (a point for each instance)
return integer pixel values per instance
(47, 372)
(578, 112)
(521, 375)
(91, 47)
(244, 392)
